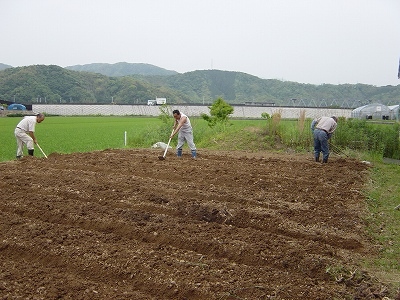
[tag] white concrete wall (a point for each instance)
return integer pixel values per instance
(145, 110)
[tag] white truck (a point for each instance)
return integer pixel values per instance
(157, 101)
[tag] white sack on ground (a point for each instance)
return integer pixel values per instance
(161, 145)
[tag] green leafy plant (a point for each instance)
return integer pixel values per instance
(265, 115)
(219, 113)
(165, 114)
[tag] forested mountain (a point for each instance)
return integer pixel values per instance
(122, 69)
(3, 66)
(53, 84)
(238, 88)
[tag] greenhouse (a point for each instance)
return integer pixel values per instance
(394, 112)
(372, 111)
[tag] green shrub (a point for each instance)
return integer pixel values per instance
(380, 139)
(360, 135)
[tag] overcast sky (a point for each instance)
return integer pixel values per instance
(307, 41)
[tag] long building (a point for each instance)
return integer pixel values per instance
(190, 110)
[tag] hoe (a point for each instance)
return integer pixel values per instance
(41, 150)
(166, 148)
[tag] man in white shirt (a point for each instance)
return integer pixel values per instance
(25, 134)
(183, 126)
(323, 129)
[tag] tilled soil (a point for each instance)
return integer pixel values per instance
(122, 224)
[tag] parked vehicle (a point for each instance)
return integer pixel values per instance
(157, 101)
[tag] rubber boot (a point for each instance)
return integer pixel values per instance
(194, 154)
(30, 152)
(325, 160)
(179, 153)
(317, 158)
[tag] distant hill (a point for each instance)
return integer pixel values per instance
(54, 84)
(122, 69)
(3, 66)
(237, 88)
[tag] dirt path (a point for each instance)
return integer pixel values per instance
(121, 224)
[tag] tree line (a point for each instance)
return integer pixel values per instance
(53, 84)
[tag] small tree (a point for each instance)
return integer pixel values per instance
(219, 113)
(165, 114)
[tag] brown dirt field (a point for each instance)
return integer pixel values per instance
(121, 224)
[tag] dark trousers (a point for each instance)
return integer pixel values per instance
(321, 144)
